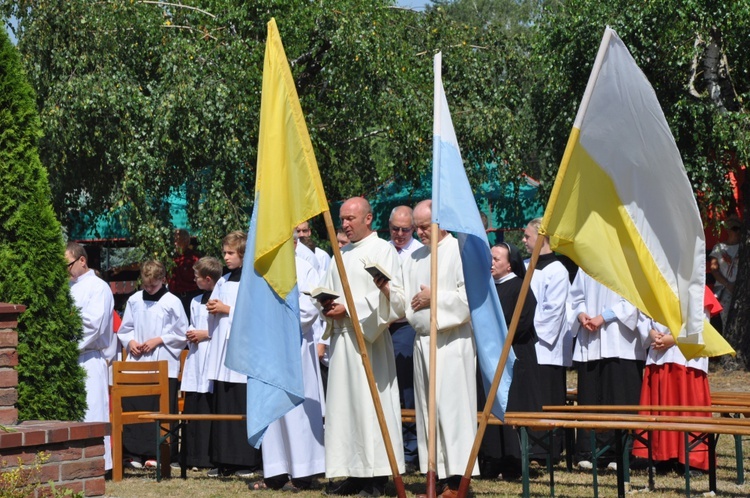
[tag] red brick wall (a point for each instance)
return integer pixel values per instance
(76, 449)
(8, 361)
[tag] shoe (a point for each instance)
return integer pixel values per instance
(150, 464)
(217, 472)
(612, 466)
(449, 493)
(132, 463)
(585, 465)
(411, 468)
(257, 485)
(174, 465)
(372, 493)
(349, 486)
(245, 473)
(290, 487)
(446, 492)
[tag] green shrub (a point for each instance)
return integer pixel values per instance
(21, 481)
(32, 263)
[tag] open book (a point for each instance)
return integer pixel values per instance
(376, 270)
(322, 294)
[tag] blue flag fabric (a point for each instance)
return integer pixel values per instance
(454, 208)
(265, 345)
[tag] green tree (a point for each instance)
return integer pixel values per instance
(142, 98)
(512, 16)
(693, 54)
(32, 267)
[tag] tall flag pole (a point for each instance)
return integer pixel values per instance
(266, 335)
(454, 208)
(622, 206)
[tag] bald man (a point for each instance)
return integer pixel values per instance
(456, 384)
(353, 442)
(401, 228)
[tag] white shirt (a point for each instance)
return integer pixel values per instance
(93, 297)
(165, 318)
(550, 285)
(195, 371)
(409, 248)
(620, 338)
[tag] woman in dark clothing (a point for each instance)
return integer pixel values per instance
(501, 449)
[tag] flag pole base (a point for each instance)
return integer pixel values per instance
(463, 488)
(431, 484)
(400, 490)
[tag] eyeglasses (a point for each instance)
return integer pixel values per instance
(401, 229)
(72, 263)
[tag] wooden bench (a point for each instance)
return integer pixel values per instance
(621, 425)
(730, 398)
(733, 412)
(164, 432)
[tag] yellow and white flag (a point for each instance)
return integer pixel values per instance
(622, 206)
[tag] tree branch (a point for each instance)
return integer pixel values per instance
(204, 34)
(694, 67)
(152, 2)
(362, 137)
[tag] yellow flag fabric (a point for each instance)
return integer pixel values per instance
(288, 187)
(623, 208)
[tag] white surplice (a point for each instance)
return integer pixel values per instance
(620, 338)
(98, 345)
(195, 371)
(293, 444)
(551, 285)
(165, 318)
(219, 327)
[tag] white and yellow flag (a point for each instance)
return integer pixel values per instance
(622, 206)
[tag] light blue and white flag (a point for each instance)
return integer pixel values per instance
(454, 208)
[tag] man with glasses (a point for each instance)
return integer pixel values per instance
(93, 298)
(401, 225)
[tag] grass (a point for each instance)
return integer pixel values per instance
(142, 483)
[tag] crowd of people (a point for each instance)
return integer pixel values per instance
(568, 320)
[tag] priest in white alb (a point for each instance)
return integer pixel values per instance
(456, 382)
(353, 442)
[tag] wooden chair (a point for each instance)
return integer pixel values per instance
(181, 393)
(130, 378)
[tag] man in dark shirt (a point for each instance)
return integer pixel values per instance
(181, 281)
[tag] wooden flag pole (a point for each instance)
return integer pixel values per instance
(400, 491)
(431, 406)
(463, 488)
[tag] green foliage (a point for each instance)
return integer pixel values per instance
(22, 481)
(139, 99)
(665, 38)
(32, 267)
(512, 16)
(694, 55)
